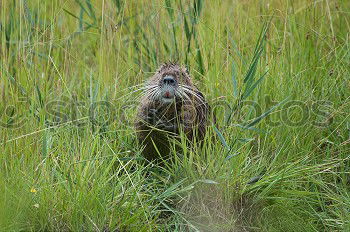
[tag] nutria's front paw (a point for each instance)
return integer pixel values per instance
(166, 126)
(152, 117)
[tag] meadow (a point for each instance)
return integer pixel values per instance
(276, 73)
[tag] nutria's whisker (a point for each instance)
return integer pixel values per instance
(131, 87)
(151, 93)
(150, 86)
(145, 88)
(157, 94)
(183, 94)
(194, 94)
(148, 93)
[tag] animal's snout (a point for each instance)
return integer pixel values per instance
(169, 80)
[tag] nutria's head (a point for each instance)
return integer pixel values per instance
(171, 83)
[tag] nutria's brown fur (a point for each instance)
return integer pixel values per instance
(171, 103)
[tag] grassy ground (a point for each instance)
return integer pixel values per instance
(69, 159)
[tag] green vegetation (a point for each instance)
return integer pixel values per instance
(69, 75)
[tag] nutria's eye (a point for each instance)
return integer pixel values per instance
(169, 80)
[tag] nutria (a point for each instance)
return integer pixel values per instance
(171, 103)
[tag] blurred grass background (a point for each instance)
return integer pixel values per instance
(59, 171)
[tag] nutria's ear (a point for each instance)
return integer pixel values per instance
(185, 70)
(167, 65)
(163, 66)
(172, 63)
(160, 68)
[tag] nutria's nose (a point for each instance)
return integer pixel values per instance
(169, 80)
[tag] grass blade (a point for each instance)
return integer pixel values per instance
(222, 139)
(249, 90)
(264, 115)
(234, 80)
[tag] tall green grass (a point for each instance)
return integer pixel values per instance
(280, 160)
